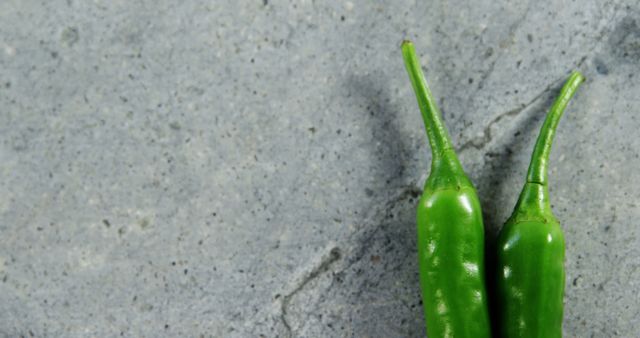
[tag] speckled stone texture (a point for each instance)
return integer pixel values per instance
(251, 168)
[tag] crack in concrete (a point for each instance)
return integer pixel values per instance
(487, 136)
(323, 266)
(335, 254)
(408, 192)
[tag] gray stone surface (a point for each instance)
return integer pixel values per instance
(250, 168)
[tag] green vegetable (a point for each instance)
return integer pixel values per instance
(531, 277)
(450, 231)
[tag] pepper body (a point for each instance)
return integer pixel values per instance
(531, 249)
(450, 231)
(531, 272)
(450, 237)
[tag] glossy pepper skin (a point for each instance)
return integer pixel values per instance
(450, 231)
(531, 276)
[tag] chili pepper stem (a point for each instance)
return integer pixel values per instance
(540, 158)
(535, 194)
(442, 151)
(436, 131)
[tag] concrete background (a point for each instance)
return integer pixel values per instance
(251, 168)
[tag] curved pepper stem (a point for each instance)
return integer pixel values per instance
(436, 131)
(539, 160)
(534, 197)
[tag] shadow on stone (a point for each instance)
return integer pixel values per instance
(381, 271)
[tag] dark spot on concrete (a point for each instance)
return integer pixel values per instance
(601, 68)
(339, 277)
(20, 144)
(121, 231)
(342, 18)
(174, 125)
(375, 259)
(488, 53)
(265, 2)
(470, 80)
(144, 223)
(368, 192)
(312, 130)
(529, 37)
(7, 85)
(54, 55)
(607, 228)
(186, 271)
(166, 326)
(335, 254)
(70, 36)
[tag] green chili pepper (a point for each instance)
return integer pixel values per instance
(531, 277)
(450, 231)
